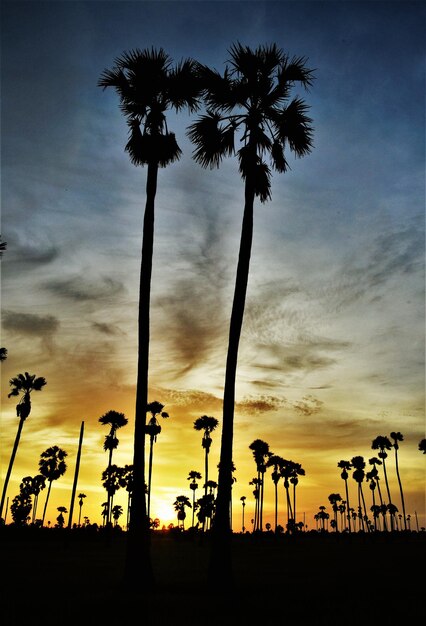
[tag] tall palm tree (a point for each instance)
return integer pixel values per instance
(243, 504)
(148, 85)
(276, 462)
(251, 97)
(22, 385)
(33, 485)
(261, 454)
(382, 443)
(52, 466)
(334, 498)
(396, 437)
(358, 475)
(193, 476)
(208, 424)
(286, 471)
(374, 461)
(153, 429)
(115, 420)
(345, 466)
(296, 471)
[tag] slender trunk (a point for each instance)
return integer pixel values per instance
(392, 518)
(347, 504)
(45, 504)
(12, 459)
(138, 570)
(276, 504)
(220, 563)
(77, 468)
(151, 447)
(400, 489)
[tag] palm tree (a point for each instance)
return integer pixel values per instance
(261, 454)
(111, 481)
(296, 471)
(382, 443)
(345, 466)
(22, 385)
(147, 86)
(208, 424)
(276, 462)
(398, 437)
(33, 485)
(60, 519)
(126, 481)
(153, 429)
(252, 97)
(422, 445)
(286, 471)
(358, 475)
(52, 466)
(179, 505)
(243, 504)
(115, 420)
(3, 354)
(374, 461)
(193, 476)
(81, 497)
(117, 512)
(334, 498)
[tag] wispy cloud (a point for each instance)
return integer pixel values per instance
(82, 289)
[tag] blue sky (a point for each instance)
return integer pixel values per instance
(332, 351)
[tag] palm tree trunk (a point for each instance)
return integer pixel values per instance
(12, 459)
(138, 570)
(77, 468)
(220, 564)
(400, 489)
(151, 446)
(45, 504)
(347, 504)
(392, 518)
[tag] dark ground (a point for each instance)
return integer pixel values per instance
(322, 579)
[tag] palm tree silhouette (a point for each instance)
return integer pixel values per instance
(115, 420)
(276, 462)
(243, 504)
(117, 512)
(153, 429)
(334, 498)
(22, 385)
(397, 436)
(208, 424)
(345, 466)
(126, 481)
(33, 485)
(296, 471)
(358, 475)
(112, 481)
(52, 466)
(382, 443)
(81, 497)
(261, 454)
(147, 86)
(422, 445)
(3, 354)
(251, 96)
(193, 476)
(60, 519)
(179, 505)
(374, 461)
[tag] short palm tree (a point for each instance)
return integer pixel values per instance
(60, 519)
(193, 476)
(52, 466)
(397, 437)
(148, 86)
(117, 512)
(179, 505)
(208, 424)
(81, 497)
(153, 429)
(334, 499)
(374, 461)
(22, 385)
(251, 98)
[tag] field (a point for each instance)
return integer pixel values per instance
(54, 577)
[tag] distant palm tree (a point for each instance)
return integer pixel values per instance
(179, 505)
(286, 471)
(261, 454)
(251, 97)
(3, 354)
(296, 471)
(126, 481)
(111, 481)
(60, 519)
(147, 86)
(193, 485)
(243, 504)
(21, 508)
(374, 461)
(345, 466)
(256, 493)
(22, 385)
(52, 466)
(397, 436)
(153, 429)
(334, 498)
(117, 512)
(33, 485)
(81, 497)
(382, 443)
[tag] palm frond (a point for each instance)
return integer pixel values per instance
(293, 126)
(212, 142)
(184, 86)
(295, 70)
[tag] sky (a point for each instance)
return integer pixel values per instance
(332, 352)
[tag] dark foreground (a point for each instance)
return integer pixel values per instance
(316, 579)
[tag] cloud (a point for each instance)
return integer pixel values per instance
(106, 329)
(81, 289)
(31, 251)
(309, 405)
(260, 404)
(30, 324)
